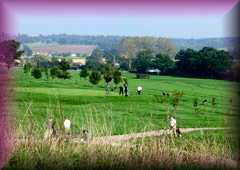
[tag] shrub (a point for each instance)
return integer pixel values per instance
(53, 72)
(95, 77)
(117, 76)
(63, 74)
(84, 73)
(107, 77)
(36, 73)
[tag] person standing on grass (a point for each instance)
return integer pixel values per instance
(126, 90)
(121, 90)
(50, 131)
(173, 125)
(139, 90)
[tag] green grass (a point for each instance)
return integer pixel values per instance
(87, 106)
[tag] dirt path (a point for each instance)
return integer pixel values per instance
(121, 138)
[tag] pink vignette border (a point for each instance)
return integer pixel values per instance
(108, 7)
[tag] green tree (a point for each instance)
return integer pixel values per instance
(95, 77)
(95, 61)
(64, 65)
(107, 73)
(213, 62)
(130, 46)
(164, 63)
(36, 73)
(84, 73)
(128, 50)
(63, 74)
(108, 77)
(53, 72)
(207, 62)
(117, 76)
(143, 61)
(187, 62)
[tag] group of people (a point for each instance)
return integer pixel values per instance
(123, 90)
(51, 130)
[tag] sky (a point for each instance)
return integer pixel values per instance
(165, 26)
(172, 19)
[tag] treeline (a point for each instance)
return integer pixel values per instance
(113, 42)
(205, 63)
(129, 47)
(107, 43)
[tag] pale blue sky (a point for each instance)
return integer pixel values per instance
(163, 26)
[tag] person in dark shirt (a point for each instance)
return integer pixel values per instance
(121, 90)
(126, 90)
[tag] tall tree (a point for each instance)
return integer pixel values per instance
(164, 63)
(207, 62)
(95, 61)
(9, 51)
(117, 76)
(95, 77)
(128, 50)
(84, 73)
(143, 61)
(130, 46)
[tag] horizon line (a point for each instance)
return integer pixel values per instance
(114, 35)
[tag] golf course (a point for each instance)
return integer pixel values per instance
(87, 105)
(126, 131)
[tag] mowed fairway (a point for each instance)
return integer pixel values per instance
(88, 107)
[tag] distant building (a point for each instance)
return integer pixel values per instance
(77, 63)
(56, 49)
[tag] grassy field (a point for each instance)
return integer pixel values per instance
(87, 106)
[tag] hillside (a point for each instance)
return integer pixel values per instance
(112, 42)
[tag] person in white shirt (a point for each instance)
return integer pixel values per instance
(173, 125)
(139, 90)
(67, 125)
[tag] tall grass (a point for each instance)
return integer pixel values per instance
(149, 153)
(193, 151)
(100, 117)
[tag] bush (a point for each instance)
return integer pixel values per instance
(117, 76)
(95, 77)
(63, 74)
(107, 77)
(84, 73)
(53, 72)
(125, 80)
(36, 73)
